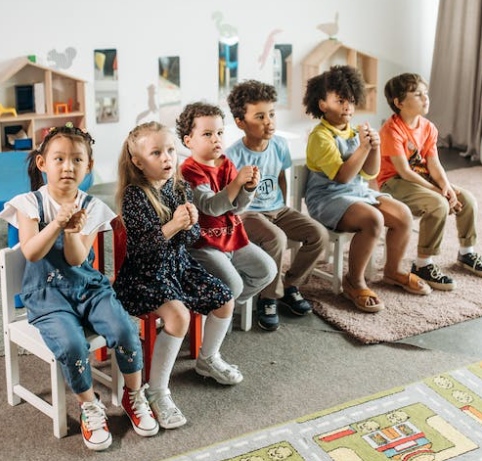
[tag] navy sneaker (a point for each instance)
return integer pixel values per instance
(295, 301)
(267, 314)
(472, 262)
(434, 277)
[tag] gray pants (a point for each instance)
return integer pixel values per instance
(245, 271)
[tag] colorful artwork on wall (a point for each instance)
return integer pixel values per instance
(106, 85)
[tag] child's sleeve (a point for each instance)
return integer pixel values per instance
(99, 216)
(322, 154)
(25, 203)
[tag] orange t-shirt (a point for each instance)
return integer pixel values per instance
(416, 144)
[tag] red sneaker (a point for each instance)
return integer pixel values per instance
(137, 408)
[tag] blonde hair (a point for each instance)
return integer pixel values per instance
(130, 175)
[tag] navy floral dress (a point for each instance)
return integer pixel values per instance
(157, 270)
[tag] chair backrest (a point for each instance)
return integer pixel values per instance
(12, 265)
(300, 176)
(119, 243)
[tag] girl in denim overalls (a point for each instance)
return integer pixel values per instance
(341, 160)
(61, 290)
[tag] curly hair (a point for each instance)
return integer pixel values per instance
(398, 87)
(346, 81)
(249, 92)
(187, 119)
(69, 131)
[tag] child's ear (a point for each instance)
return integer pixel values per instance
(186, 140)
(40, 162)
(397, 103)
(322, 105)
(137, 162)
(239, 123)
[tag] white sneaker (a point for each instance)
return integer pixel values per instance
(137, 408)
(93, 425)
(215, 367)
(166, 411)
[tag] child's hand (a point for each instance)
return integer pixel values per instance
(76, 222)
(368, 136)
(245, 175)
(67, 210)
(450, 193)
(193, 213)
(183, 216)
(253, 184)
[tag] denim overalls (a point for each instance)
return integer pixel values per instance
(62, 299)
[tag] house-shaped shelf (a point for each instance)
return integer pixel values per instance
(58, 98)
(332, 52)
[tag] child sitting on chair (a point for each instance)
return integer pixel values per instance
(341, 159)
(269, 222)
(61, 290)
(158, 274)
(221, 193)
(412, 173)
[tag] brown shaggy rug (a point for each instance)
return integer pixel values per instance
(406, 314)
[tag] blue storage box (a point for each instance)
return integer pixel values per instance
(23, 144)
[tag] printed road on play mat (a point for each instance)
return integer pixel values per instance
(437, 419)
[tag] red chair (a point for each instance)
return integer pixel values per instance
(148, 322)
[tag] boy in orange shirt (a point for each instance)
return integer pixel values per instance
(412, 173)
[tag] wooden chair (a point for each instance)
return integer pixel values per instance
(18, 333)
(149, 323)
(338, 240)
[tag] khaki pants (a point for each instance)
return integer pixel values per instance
(433, 209)
(270, 230)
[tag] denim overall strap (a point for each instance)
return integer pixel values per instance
(38, 196)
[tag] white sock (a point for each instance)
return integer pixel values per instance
(466, 250)
(166, 350)
(422, 262)
(215, 330)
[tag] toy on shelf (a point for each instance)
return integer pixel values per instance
(61, 108)
(7, 110)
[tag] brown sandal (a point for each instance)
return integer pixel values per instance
(409, 282)
(360, 296)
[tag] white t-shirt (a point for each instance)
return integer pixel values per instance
(99, 215)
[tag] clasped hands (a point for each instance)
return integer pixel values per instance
(368, 136)
(70, 218)
(186, 215)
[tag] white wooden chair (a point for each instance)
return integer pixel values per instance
(19, 333)
(338, 240)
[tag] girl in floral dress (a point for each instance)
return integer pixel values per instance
(158, 274)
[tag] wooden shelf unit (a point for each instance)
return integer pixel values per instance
(332, 52)
(57, 86)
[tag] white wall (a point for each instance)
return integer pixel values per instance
(399, 33)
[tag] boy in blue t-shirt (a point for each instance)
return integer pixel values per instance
(268, 221)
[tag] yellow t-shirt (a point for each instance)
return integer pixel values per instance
(322, 152)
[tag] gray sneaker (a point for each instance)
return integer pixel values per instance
(165, 410)
(215, 367)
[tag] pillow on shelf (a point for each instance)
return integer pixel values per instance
(18, 135)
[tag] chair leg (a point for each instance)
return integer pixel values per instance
(12, 371)
(195, 334)
(59, 407)
(247, 315)
(338, 263)
(148, 337)
(117, 385)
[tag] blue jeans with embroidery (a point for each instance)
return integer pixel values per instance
(63, 331)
